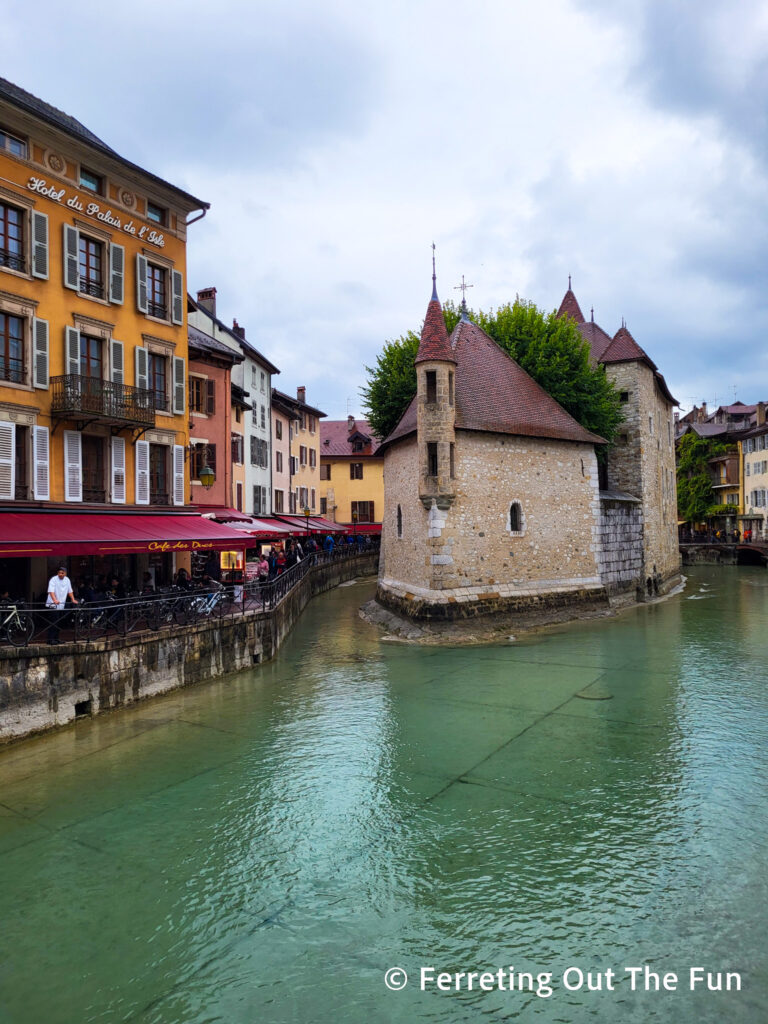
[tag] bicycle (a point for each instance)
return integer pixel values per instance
(18, 627)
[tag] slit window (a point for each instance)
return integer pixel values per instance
(399, 521)
(515, 517)
(453, 460)
(450, 390)
(432, 458)
(431, 386)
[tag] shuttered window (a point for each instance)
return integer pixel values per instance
(178, 474)
(73, 467)
(40, 357)
(7, 460)
(41, 460)
(141, 455)
(118, 470)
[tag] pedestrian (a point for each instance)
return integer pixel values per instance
(147, 584)
(262, 569)
(281, 563)
(59, 589)
(213, 567)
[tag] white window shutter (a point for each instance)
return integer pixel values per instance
(179, 385)
(141, 455)
(41, 447)
(71, 257)
(73, 466)
(117, 360)
(177, 297)
(178, 474)
(39, 245)
(141, 283)
(7, 460)
(40, 361)
(116, 273)
(118, 470)
(72, 349)
(142, 368)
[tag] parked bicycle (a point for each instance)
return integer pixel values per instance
(17, 626)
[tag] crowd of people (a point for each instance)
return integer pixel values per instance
(715, 536)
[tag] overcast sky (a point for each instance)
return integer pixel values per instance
(623, 143)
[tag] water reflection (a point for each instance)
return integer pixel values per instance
(264, 847)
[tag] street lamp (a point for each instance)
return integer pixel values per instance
(207, 477)
(307, 513)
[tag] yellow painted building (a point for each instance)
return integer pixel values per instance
(93, 338)
(352, 474)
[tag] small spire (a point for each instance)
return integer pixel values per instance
(463, 288)
(434, 275)
(569, 282)
(592, 314)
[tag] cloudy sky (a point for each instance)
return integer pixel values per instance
(623, 143)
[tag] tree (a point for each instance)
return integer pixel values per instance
(547, 347)
(695, 494)
(391, 384)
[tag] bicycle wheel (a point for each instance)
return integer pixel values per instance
(20, 629)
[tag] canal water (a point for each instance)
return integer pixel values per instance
(265, 848)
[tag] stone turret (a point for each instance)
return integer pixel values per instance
(436, 408)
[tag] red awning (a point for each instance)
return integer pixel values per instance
(264, 529)
(316, 524)
(364, 528)
(221, 514)
(60, 533)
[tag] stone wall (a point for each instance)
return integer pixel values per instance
(642, 463)
(40, 689)
(621, 547)
(470, 553)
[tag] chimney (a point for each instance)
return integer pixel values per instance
(238, 330)
(350, 424)
(760, 414)
(301, 394)
(206, 298)
(702, 413)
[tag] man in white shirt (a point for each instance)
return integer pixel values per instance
(59, 589)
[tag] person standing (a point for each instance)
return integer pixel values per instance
(59, 589)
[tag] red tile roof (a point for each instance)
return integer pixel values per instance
(570, 307)
(434, 337)
(597, 339)
(624, 349)
(494, 394)
(337, 439)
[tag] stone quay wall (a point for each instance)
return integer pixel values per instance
(620, 555)
(41, 689)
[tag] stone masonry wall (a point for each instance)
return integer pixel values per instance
(644, 466)
(468, 552)
(39, 688)
(621, 546)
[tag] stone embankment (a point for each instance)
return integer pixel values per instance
(41, 689)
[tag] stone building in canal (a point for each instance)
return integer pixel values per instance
(494, 501)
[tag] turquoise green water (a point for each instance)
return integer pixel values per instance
(263, 849)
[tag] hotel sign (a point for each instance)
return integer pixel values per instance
(59, 195)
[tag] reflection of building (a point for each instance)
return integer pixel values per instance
(351, 473)
(304, 456)
(252, 377)
(93, 339)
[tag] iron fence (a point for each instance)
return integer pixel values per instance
(23, 624)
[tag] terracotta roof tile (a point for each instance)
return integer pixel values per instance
(570, 307)
(494, 394)
(337, 439)
(434, 337)
(597, 339)
(624, 349)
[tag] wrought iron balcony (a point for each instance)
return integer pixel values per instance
(79, 397)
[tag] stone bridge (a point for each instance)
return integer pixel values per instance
(716, 553)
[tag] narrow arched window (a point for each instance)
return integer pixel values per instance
(399, 521)
(515, 521)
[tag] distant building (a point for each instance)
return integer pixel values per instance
(753, 450)
(304, 458)
(253, 377)
(351, 474)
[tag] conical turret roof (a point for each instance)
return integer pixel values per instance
(570, 307)
(434, 344)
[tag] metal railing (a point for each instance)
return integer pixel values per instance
(75, 395)
(88, 621)
(12, 260)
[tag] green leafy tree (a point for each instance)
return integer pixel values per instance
(548, 347)
(391, 384)
(695, 494)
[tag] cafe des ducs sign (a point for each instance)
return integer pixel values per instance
(59, 195)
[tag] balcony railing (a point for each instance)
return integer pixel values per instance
(157, 310)
(12, 260)
(12, 370)
(77, 396)
(93, 288)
